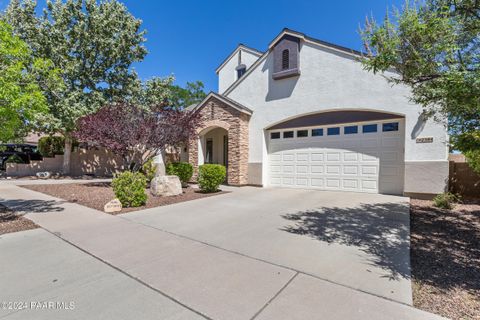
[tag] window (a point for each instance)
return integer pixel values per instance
(302, 133)
(285, 59)
(241, 72)
(275, 135)
(317, 132)
(392, 126)
(368, 128)
(333, 131)
(287, 134)
(209, 151)
(350, 130)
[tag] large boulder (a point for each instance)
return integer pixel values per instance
(165, 186)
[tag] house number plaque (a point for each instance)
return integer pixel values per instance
(425, 140)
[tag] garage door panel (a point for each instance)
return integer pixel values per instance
(350, 170)
(302, 181)
(333, 156)
(370, 162)
(289, 181)
(369, 143)
(317, 182)
(332, 169)
(302, 156)
(302, 169)
(350, 184)
(316, 157)
(369, 170)
(332, 183)
(350, 156)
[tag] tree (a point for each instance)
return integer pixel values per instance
(135, 133)
(21, 80)
(93, 44)
(434, 47)
(193, 93)
(162, 92)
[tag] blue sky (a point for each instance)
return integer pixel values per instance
(189, 39)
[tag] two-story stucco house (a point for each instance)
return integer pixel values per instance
(305, 114)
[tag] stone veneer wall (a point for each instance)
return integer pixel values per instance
(215, 113)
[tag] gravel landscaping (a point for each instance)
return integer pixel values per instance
(445, 258)
(95, 195)
(12, 222)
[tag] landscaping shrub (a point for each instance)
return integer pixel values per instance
(14, 158)
(149, 169)
(51, 145)
(129, 188)
(445, 200)
(210, 176)
(183, 170)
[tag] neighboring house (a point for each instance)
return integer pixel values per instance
(306, 114)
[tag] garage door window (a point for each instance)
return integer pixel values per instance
(275, 135)
(288, 134)
(369, 128)
(302, 133)
(333, 131)
(317, 132)
(350, 130)
(392, 126)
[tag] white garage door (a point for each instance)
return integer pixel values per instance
(360, 157)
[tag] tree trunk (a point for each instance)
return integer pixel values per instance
(67, 154)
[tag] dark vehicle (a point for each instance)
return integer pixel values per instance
(26, 152)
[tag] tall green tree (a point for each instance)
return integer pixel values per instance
(193, 93)
(22, 78)
(163, 93)
(93, 44)
(434, 47)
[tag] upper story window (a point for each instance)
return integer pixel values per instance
(285, 59)
(241, 71)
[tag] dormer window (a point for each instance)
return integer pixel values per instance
(285, 59)
(241, 69)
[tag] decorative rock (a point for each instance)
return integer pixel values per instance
(165, 186)
(113, 206)
(44, 175)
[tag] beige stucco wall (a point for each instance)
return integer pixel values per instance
(92, 162)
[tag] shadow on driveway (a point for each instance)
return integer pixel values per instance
(21, 206)
(380, 230)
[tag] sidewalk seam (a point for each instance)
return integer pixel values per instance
(268, 262)
(129, 275)
(275, 296)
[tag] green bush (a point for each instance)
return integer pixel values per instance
(210, 176)
(149, 169)
(129, 188)
(445, 200)
(183, 170)
(51, 145)
(14, 158)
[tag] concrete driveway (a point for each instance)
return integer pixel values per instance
(357, 240)
(256, 254)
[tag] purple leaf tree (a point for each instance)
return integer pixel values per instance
(135, 133)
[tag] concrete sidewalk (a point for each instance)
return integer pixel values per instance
(213, 282)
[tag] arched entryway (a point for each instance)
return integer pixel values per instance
(222, 139)
(213, 146)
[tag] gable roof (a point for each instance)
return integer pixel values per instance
(303, 37)
(230, 102)
(306, 38)
(239, 47)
